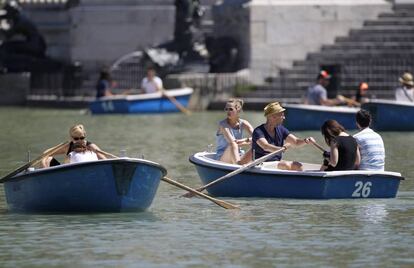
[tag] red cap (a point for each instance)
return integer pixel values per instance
(324, 75)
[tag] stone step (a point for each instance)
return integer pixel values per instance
(375, 38)
(393, 18)
(336, 55)
(367, 48)
(363, 43)
(409, 21)
(380, 30)
(387, 27)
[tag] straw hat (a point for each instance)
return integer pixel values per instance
(273, 108)
(407, 79)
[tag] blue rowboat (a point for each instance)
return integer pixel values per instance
(311, 117)
(141, 103)
(113, 185)
(391, 115)
(267, 181)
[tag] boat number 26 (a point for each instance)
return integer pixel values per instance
(362, 189)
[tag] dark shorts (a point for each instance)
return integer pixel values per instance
(54, 162)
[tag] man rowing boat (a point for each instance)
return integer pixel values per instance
(271, 136)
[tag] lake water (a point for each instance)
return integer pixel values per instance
(181, 232)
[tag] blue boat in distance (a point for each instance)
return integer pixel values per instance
(266, 180)
(141, 103)
(110, 185)
(311, 117)
(390, 115)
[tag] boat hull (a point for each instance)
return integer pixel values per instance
(262, 182)
(391, 115)
(100, 186)
(141, 104)
(311, 117)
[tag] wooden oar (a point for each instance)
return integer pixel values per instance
(318, 146)
(349, 101)
(219, 202)
(105, 153)
(34, 161)
(176, 103)
(237, 171)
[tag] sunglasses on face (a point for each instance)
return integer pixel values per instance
(229, 109)
(78, 138)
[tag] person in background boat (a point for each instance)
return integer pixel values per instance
(370, 143)
(229, 136)
(78, 150)
(359, 98)
(343, 153)
(406, 91)
(104, 84)
(361, 95)
(151, 83)
(272, 135)
(317, 94)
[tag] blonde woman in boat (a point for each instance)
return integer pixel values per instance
(230, 135)
(272, 136)
(78, 150)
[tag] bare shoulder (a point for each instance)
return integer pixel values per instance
(94, 146)
(245, 122)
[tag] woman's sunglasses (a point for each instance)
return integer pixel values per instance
(78, 138)
(229, 109)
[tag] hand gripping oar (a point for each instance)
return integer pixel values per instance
(34, 161)
(176, 103)
(349, 101)
(237, 171)
(219, 202)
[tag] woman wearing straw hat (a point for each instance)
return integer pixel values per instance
(271, 136)
(406, 91)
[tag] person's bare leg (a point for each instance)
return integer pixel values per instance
(246, 158)
(289, 165)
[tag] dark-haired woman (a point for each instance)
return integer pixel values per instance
(343, 153)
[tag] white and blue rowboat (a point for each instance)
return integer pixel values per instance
(141, 103)
(390, 115)
(266, 180)
(311, 117)
(112, 185)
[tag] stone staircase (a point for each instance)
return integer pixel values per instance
(378, 53)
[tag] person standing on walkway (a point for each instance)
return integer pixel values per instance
(370, 143)
(406, 91)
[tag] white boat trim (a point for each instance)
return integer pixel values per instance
(270, 168)
(147, 96)
(337, 109)
(393, 102)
